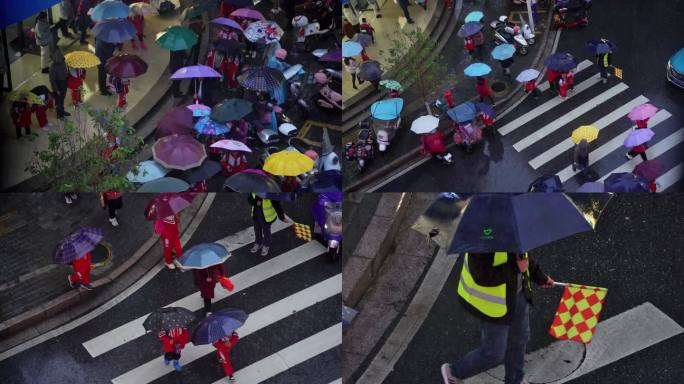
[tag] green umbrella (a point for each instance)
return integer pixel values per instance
(391, 84)
(177, 38)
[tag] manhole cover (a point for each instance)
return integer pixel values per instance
(102, 254)
(499, 86)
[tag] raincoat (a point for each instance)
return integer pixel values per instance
(82, 268)
(174, 340)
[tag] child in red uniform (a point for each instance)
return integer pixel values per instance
(233, 162)
(138, 21)
(483, 90)
(531, 87)
(200, 186)
(563, 86)
(206, 279)
(41, 110)
(470, 46)
(365, 27)
(121, 88)
(168, 229)
(487, 120)
(75, 83)
(81, 275)
(173, 341)
(641, 124)
(223, 348)
(21, 117)
(230, 71)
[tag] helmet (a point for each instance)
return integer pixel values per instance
(281, 53)
(503, 19)
(311, 154)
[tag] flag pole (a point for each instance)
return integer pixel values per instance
(558, 284)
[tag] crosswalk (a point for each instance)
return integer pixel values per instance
(541, 130)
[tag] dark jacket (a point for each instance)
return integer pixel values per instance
(507, 63)
(104, 50)
(177, 60)
(58, 70)
(484, 274)
(258, 213)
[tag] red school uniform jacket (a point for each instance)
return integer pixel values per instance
(530, 85)
(21, 114)
(170, 227)
(214, 273)
(174, 340)
(223, 350)
(483, 89)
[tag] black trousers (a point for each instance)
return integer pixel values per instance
(60, 94)
(171, 356)
(207, 305)
(642, 154)
(102, 78)
(406, 13)
(113, 205)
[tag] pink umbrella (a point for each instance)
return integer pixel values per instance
(227, 22)
(248, 13)
(231, 145)
(638, 137)
(195, 71)
(642, 112)
(179, 152)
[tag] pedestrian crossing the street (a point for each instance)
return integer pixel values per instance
(541, 129)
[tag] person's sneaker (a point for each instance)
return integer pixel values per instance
(170, 266)
(69, 280)
(88, 287)
(68, 199)
(410, 21)
(167, 362)
(447, 376)
(45, 70)
(231, 378)
(264, 251)
(66, 114)
(628, 156)
(255, 248)
(114, 222)
(177, 366)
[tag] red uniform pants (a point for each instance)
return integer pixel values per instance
(227, 368)
(172, 244)
(76, 96)
(122, 100)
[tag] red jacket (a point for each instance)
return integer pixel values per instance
(170, 229)
(112, 195)
(483, 89)
(223, 350)
(21, 114)
(642, 124)
(530, 85)
(214, 273)
(434, 142)
(174, 340)
(469, 43)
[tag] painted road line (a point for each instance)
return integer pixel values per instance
(400, 173)
(670, 177)
(615, 338)
(603, 122)
(243, 280)
(580, 67)
(549, 105)
(556, 124)
(338, 381)
(653, 152)
(289, 357)
(272, 313)
(612, 145)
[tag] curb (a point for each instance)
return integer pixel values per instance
(139, 263)
(375, 244)
(503, 104)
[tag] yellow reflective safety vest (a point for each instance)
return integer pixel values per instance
(270, 213)
(490, 301)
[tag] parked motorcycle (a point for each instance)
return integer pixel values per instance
(362, 150)
(327, 214)
(329, 92)
(571, 14)
(506, 32)
(386, 121)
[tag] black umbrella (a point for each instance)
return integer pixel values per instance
(327, 181)
(204, 172)
(251, 181)
(167, 318)
(228, 47)
(230, 110)
(547, 183)
(263, 79)
(371, 70)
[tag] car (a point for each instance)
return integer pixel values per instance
(675, 69)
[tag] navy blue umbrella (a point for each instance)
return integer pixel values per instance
(561, 62)
(515, 223)
(218, 325)
(114, 30)
(625, 182)
(547, 183)
(486, 108)
(470, 28)
(76, 245)
(600, 46)
(327, 181)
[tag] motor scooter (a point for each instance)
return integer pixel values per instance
(386, 120)
(361, 150)
(506, 32)
(327, 214)
(327, 98)
(571, 14)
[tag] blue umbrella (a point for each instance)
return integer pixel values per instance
(592, 187)
(110, 9)
(547, 183)
(503, 52)
(77, 244)
(114, 31)
(145, 171)
(327, 181)
(625, 182)
(203, 255)
(474, 16)
(470, 28)
(351, 48)
(388, 109)
(462, 112)
(597, 46)
(207, 126)
(486, 108)
(527, 75)
(561, 62)
(515, 223)
(218, 325)
(477, 69)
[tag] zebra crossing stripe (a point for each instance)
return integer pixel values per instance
(670, 177)
(291, 356)
(338, 381)
(603, 122)
(272, 313)
(549, 105)
(243, 280)
(653, 152)
(612, 145)
(570, 116)
(580, 67)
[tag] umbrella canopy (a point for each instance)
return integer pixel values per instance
(388, 109)
(218, 325)
(247, 13)
(527, 75)
(263, 32)
(470, 28)
(126, 66)
(195, 71)
(178, 120)
(76, 245)
(649, 170)
(371, 70)
(165, 184)
(203, 255)
(477, 70)
(625, 182)
(167, 204)
(598, 46)
(364, 39)
(642, 112)
(638, 137)
(253, 180)
(424, 124)
(351, 48)
(145, 171)
(263, 79)
(227, 22)
(515, 223)
(228, 47)
(207, 126)
(144, 9)
(474, 16)
(288, 163)
(25, 96)
(204, 172)
(41, 90)
(486, 108)
(114, 31)
(177, 38)
(81, 59)
(503, 52)
(231, 145)
(335, 56)
(561, 62)
(462, 112)
(547, 183)
(321, 182)
(592, 187)
(585, 132)
(391, 84)
(199, 110)
(231, 109)
(164, 319)
(178, 152)
(110, 9)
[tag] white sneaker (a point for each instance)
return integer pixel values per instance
(68, 199)
(170, 266)
(114, 222)
(264, 251)
(447, 376)
(255, 248)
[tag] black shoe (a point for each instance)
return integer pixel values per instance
(379, 16)
(45, 70)
(105, 93)
(65, 114)
(410, 21)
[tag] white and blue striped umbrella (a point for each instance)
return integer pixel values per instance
(218, 325)
(203, 255)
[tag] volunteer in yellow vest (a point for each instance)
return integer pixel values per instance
(264, 213)
(497, 288)
(603, 60)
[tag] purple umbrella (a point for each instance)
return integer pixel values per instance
(76, 245)
(126, 66)
(649, 169)
(218, 325)
(179, 152)
(195, 71)
(638, 137)
(364, 39)
(178, 120)
(591, 187)
(335, 55)
(248, 13)
(114, 30)
(227, 22)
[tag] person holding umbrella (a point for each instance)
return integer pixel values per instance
(121, 89)
(113, 201)
(581, 157)
(264, 213)
(641, 113)
(171, 326)
(173, 341)
(223, 348)
(138, 20)
(483, 90)
(219, 330)
(353, 69)
(75, 250)
(504, 54)
(21, 116)
(167, 228)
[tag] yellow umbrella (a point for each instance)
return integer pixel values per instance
(586, 132)
(27, 96)
(288, 163)
(81, 59)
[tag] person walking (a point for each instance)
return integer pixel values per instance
(641, 124)
(81, 275)
(113, 201)
(365, 27)
(603, 60)
(484, 90)
(177, 61)
(353, 69)
(66, 17)
(552, 76)
(638, 150)
(206, 279)
(59, 74)
(138, 21)
(45, 40)
(104, 51)
(506, 66)
(497, 288)
(531, 87)
(75, 79)
(20, 112)
(223, 348)
(82, 18)
(173, 341)
(264, 213)
(403, 4)
(580, 159)
(41, 109)
(478, 39)
(167, 228)
(121, 87)
(469, 44)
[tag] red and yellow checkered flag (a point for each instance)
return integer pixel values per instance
(302, 231)
(578, 313)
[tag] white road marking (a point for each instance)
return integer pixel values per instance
(272, 313)
(603, 122)
(670, 177)
(612, 145)
(615, 338)
(243, 280)
(569, 117)
(287, 358)
(584, 64)
(547, 106)
(338, 381)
